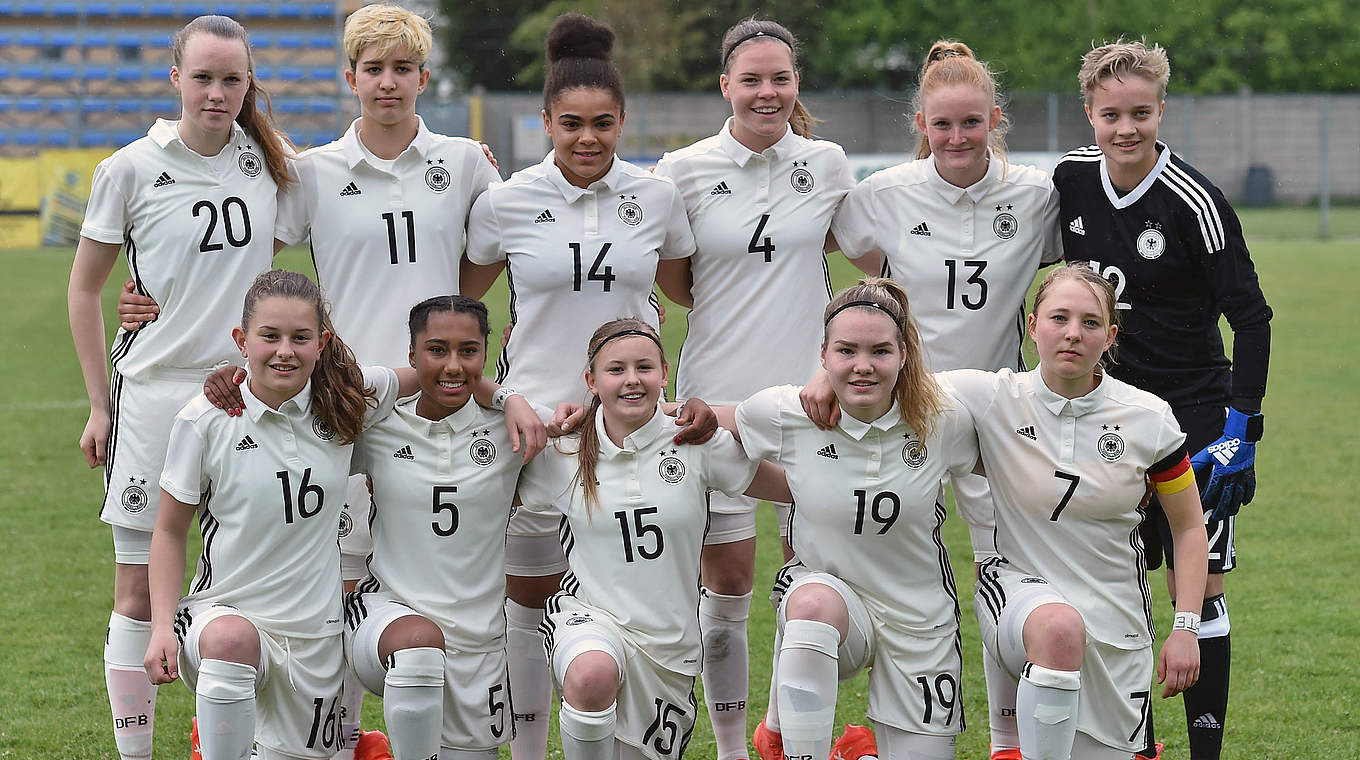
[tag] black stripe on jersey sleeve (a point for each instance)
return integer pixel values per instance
(1169, 461)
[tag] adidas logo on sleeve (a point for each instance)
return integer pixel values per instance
(828, 451)
(721, 189)
(1077, 227)
(921, 229)
(350, 189)
(405, 453)
(544, 217)
(247, 444)
(163, 180)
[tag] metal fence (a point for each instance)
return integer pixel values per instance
(1295, 147)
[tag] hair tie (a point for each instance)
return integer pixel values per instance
(622, 334)
(752, 36)
(851, 304)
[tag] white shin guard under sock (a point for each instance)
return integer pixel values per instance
(226, 709)
(726, 673)
(413, 702)
(772, 706)
(806, 688)
(530, 681)
(1001, 687)
(587, 735)
(351, 705)
(132, 697)
(1046, 712)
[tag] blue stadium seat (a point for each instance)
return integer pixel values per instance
(6, 38)
(123, 137)
(161, 10)
(6, 8)
(128, 10)
(163, 105)
(61, 72)
(322, 106)
(31, 70)
(96, 71)
(262, 40)
(290, 41)
(323, 73)
(4, 103)
(61, 105)
(289, 10)
(130, 74)
(98, 10)
(258, 10)
(264, 72)
(159, 41)
(96, 40)
(28, 105)
(322, 41)
(292, 73)
(58, 138)
(226, 9)
(28, 138)
(129, 105)
(320, 10)
(129, 40)
(4, 138)
(4, 71)
(32, 9)
(65, 9)
(64, 39)
(95, 105)
(291, 106)
(93, 137)
(193, 10)
(31, 39)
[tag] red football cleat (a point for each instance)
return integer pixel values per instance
(769, 745)
(372, 745)
(1006, 754)
(195, 752)
(1158, 756)
(855, 742)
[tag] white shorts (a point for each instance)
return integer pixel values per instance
(476, 691)
(142, 411)
(897, 661)
(297, 690)
(656, 706)
(1115, 693)
(356, 536)
(730, 518)
(533, 547)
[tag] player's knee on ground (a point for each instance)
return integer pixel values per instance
(1055, 637)
(816, 601)
(231, 638)
(409, 632)
(592, 681)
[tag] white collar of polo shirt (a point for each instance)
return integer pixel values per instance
(606, 184)
(857, 429)
(166, 131)
(635, 441)
(1057, 403)
(742, 155)
(457, 422)
(356, 151)
(297, 406)
(977, 190)
(1112, 195)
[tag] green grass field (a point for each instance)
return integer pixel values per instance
(1294, 599)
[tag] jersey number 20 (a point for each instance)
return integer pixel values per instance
(232, 208)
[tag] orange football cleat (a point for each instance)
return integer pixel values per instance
(769, 745)
(372, 745)
(195, 751)
(855, 742)
(1158, 756)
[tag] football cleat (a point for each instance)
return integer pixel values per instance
(1158, 756)
(855, 742)
(372, 745)
(195, 751)
(1006, 754)
(769, 745)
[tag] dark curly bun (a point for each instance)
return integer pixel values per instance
(574, 35)
(579, 49)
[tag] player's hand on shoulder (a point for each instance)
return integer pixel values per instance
(1231, 464)
(819, 401)
(135, 309)
(94, 439)
(162, 657)
(490, 156)
(223, 389)
(566, 419)
(697, 420)
(1178, 665)
(528, 435)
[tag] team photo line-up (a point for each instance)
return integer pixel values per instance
(565, 529)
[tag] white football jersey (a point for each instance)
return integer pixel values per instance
(269, 485)
(635, 555)
(966, 256)
(864, 507)
(760, 274)
(196, 231)
(1068, 476)
(442, 491)
(386, 235)
(575, 258)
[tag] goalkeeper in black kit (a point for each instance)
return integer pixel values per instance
(1168, 241)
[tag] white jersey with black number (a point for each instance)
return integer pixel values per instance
(196, 229)
(865, 506)
(635, 555)
(386, 234)
(760, 274)
(1069, 476)
(575, 258)
(966, 256)
(442, 491)
(269, 485)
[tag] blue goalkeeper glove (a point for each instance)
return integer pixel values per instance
(1232, 458)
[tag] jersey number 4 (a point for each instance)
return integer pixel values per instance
(598, 271)
(235, 218)
(758, 245)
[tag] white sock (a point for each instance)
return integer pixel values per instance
(806, 691)
(1001, 687)
(587, 735)
(132, 697)
(722, 622)
(530, 681)
(351, 705)
(772, 706)
(226, 709)
(413, 702)
(1046, 712)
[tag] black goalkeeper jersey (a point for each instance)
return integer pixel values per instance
(1173, 249)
